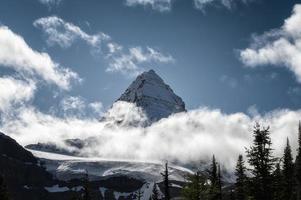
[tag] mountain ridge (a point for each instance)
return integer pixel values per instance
(154, 96)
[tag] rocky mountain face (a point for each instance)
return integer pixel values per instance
(155, 97)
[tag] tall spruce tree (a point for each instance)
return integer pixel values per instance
(165, 176)
(288, 172)
(219, 182)
(213, 177)
(86, 195)
(196, 187)
(278, 183)
(262, 162)
(240, 185)
(298, 166)
(155, 193)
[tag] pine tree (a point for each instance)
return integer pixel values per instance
(155, 193)
(240, 185)
(288, 172)
(219, 182)
(86, 195)
(278, 183)
(139, 194)
(3, 190)
(298, 166)
(262, 162)
(165, 176)
(213, 177)
(196, 187)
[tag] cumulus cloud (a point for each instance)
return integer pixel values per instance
(65, 34)
(159, 5)
(14, 91)
(279, 47)
(183, 138)
(16, 54)
(128, 61)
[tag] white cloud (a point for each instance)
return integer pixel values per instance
(184, 137)
(97, 107)
(50, 2)
(130, 62)
(65, 34)
(280, 47)
(13, 91)
(159, 5)
(72, 103)
(202, 4)
(16, 54)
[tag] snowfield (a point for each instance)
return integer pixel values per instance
(66, 167)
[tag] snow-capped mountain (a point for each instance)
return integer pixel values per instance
(155, 97)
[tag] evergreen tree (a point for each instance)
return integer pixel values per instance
(196, 187)
(298, 166)
(219, 182)
(278, 183)
(165, 176)
(213, 177)
(3, 190)
(86, 195)
(139, 194)
(240, 185)
(155, 193)
(262, 162)
(288, 172)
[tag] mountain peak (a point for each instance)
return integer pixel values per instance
(156, 98)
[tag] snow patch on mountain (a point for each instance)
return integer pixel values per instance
(155, 97)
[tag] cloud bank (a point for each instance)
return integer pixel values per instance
(17, 55)
(278, 47)
(166, 5)
(185, 138)
(128, 61)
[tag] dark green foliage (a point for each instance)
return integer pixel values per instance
(139, 194)
(3, 190)
(278, 183)
(219, 182)
(288, 173)
(298, 167)
(196, 187)
(262, 162)
(155, 193)
(165, 176)
(240, 185)
(214, 190)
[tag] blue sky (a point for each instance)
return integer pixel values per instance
(196, 48)
(64, 62)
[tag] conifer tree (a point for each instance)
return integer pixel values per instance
(288, 172)
(278, 183)
(262, 162)
(196, 187)
(165, 176)
(139, 194)
(86, 195)
(240, 185)
(298, 166)
(155, 193)
(219, 182)
(213, 177)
